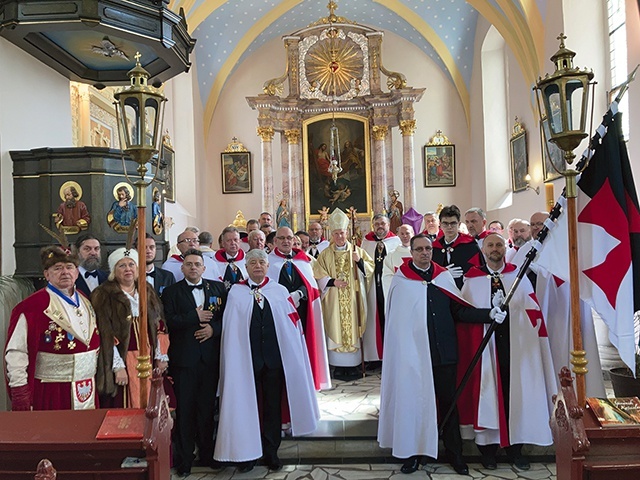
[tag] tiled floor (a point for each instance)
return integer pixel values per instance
(376, 472)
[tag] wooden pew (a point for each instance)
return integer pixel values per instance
(68, 440)
(584, 449)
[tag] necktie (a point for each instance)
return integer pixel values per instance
(151, 274)
(288, 265)
(199, 287)
(93, 274)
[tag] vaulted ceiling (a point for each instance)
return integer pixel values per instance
(229, 31)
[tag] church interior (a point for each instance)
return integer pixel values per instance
(250, 105)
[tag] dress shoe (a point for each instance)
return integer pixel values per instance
(411, 464)
(273, 463)
(459, 465)
(182, 473)
(521, 462)
(245, 467)
(489, 462)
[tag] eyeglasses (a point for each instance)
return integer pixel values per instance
(193, 264)
(189, 240)
(449, 224)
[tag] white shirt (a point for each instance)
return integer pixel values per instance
(91, 281)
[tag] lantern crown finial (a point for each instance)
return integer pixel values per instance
(138, 75)
(563, 58)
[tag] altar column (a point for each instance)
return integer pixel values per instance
(408, 127)
(266, 134)
(295, 179)
(379, 170)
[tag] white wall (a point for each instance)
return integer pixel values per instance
(35, 112)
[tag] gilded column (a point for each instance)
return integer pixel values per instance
(375, 43)
(408, 127)
(292, 46)
(266, 134)
(295, 174)
(379, 170)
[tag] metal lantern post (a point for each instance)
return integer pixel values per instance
(565, 96)
(139, 113)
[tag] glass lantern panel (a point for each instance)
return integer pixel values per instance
(132, 118)
(551, 97)
(575, 91)
(151, 121)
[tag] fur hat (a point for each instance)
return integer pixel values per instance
(54, 254)
(118, 255)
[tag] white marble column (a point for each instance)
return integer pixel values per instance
(379, 168)
(388, 148)
(408, 127)
(285, 161)
(295, 179)
(266, 134)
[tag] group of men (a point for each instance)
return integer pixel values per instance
(275, 314)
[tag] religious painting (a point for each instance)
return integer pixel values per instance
(157, 217)
(123, 211)
(519, 159)
(236, 172)
(72, 215)
(439, 166)
(551, 153)
(101, 134)
(167, 166)
(345, 148)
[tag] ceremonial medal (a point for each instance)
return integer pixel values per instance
(79, 312)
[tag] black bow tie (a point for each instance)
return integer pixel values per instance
(314, 243)
(199, 287)
(151, 274)
(93, 274)
(231, 260)
(255, 287)
(288, 257)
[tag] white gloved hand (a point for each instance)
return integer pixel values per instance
(297, 296)
(497, 299)
(497, 314)
(456, 272)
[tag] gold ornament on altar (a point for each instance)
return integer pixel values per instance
(239, 222)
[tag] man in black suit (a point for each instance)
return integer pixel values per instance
(90, 276)
(156, 276)
(193, 310)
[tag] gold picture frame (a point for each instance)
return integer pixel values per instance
(519, 157)
(352, 187)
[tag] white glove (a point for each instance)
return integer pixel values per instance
(297, 296)
(497, 299)
(456, 272)
(497, 314)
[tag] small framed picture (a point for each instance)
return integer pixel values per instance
(236, 172)
(519, 158)
(439, 165)
(553, 156)
(167, 166)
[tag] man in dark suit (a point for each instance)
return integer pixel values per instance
(193, 310)
(156, 276)
(90, 276)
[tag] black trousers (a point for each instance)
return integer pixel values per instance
(269, 384)
(195, 390)
(444, 381)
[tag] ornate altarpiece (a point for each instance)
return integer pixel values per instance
(334, 67)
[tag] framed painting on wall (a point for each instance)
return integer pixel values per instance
(168, 165)
(551, 153)
(439, 165)
(352, 186)
(236, 172)
(519, 159)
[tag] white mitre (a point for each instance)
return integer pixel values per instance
(338, 220)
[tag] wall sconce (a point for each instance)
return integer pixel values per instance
(527, 178)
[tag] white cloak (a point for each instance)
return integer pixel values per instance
(238, 437)
(391, 263)
(408, 422)
(174, 265)
(372, 335)
(219, 265)
(315, 323)
(532, 377)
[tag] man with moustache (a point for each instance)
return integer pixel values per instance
(520, 232)
(186, 241)
(229, 265)
(73, 212)
(193, 309)
(263, 357)
(87, 249)
(53, 342)
(316, 242)
(292, 268)
(159, 278)
(377, 244)
(265, 219)
(507, 402)
(537, 222)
